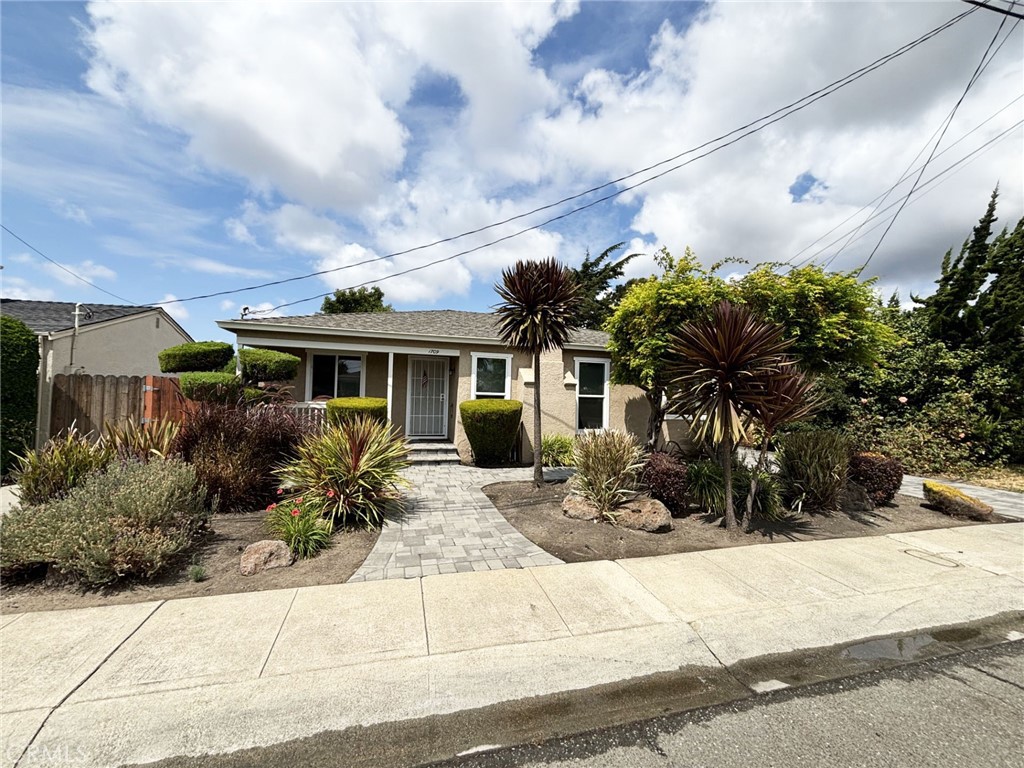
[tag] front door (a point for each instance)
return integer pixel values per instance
(428, 397)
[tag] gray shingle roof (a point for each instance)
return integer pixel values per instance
(47, 316)
(446, 323)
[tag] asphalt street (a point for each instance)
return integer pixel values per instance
(966, 709)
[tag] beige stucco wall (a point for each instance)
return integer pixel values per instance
(627, 406)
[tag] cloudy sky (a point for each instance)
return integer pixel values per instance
(170, 150)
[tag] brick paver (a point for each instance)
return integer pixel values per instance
(451, 526)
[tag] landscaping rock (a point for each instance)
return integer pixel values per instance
(579, 508)
(264, 555)
(955, 503)
(856, 499)
(644, 514)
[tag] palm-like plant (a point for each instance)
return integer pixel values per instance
(717, 371)
(784, 397)
(538, 313)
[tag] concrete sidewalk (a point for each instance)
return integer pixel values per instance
(138, 683)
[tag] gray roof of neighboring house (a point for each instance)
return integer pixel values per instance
(451, 323)
(48, 316)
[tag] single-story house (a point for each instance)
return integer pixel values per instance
(425, 363)
(107, 339)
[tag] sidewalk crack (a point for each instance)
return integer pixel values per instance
(273, 645)
(84, 680)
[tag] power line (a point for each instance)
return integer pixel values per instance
(61, 266)
(767, 120)
(1009, 11)
(885, 194)
(970, 157)
(970, 84)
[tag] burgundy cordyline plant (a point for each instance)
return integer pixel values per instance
(538, 313)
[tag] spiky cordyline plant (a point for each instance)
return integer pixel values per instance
(785, 397)
(537, 313)
(718, 370)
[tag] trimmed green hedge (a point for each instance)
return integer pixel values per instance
(491, 427)
(19, 362)
(196, 356)
(210, 387)
(267, 365)
(345, 407)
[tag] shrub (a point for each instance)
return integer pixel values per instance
(341, 408)
(706, 484)
(812, 469)
(300, 526)
(129, 521)
(556, 450)
(211, 387)
(767, 497)
(879, 475)
(19, 361)
(491, 428)
(952, 501)
(140, 442)
(665, 479)
(234, 450)
(267, 365)
(349, 473)
(197, 573)
(196, 356)
(64, 462)
(607, 464)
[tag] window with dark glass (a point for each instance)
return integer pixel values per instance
(590, 395)
(491, 376)
(336, 376)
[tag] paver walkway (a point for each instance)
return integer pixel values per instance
(451, 526)
(1005, 503)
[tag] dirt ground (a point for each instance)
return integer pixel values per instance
(219, 554)
(537, 514)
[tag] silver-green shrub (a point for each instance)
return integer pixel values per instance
(607, 464)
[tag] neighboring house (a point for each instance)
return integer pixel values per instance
(425, 363)
(107, 339)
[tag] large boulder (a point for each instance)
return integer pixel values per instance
(856, 498)
(579, 508)
(954, 502)
(264, 555)
(644, 514)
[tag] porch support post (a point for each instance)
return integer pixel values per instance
(391, 380)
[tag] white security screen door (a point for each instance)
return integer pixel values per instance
(428, 397)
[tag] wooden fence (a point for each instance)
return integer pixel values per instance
(89, 402)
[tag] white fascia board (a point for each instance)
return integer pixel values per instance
(241, 327)
(338, 346)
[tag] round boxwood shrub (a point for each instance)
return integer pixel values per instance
(267, 365)
(196, 356)
(348, 407)
(491, 427)
(879, 475)
(19, 362)
(206, 387)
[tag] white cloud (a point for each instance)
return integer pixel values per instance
(178, 311)
(214, 267)
(88, 269)
(227, 305)
(72, 212)
(19, 288)
(264, 309)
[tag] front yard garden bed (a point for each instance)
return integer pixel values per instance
(537, 514)
(218, 553)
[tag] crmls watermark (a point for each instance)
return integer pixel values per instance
(47, 755)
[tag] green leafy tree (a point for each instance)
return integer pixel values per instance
(594, 278)
(355, 300)
(19, 363)
(538, 312)
(640, 328)
(1000, 307)
(720, 372)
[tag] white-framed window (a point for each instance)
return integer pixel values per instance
(591, 393)
(491, 377)
(331, 375)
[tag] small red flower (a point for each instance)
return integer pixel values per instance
(298, 500)
(271, 506)
(330, 494)
(280, 491)
(295, 512)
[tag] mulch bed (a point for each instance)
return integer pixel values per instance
(219, 554)
(537, 514)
